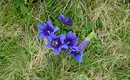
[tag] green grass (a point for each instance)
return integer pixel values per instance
(24, 57)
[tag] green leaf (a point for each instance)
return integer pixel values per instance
(24, 55)
(24, 9)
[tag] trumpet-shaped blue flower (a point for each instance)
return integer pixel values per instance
(77, 52)
(64, 19)
(46, 30)
(57, 43)
(71, 39)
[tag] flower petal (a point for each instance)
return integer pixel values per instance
(49, 38)
(49, 23)
(73, 48)
(68, 22)
(78, 57)
(70, 34)
(41, 35)
(41, 26)
(62, 37)
(48, 45)
(76, 39)
(61, 17)
(56, 29)
(56, 51)
(64, 46)
(53, 35)
(82, 46)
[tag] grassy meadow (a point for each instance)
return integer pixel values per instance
(23, 55)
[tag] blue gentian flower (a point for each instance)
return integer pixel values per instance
(71, 39)
(64, 19)
(82, 46)
(56, 43)
(46, 30)
(77, 52)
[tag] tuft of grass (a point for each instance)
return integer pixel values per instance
(24, 56)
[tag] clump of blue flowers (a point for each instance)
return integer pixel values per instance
(63, 41)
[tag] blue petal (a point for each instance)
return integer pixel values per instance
(62, 37)
(73, 48)
(78, 57)
(82, 46)
(56, 51)
(49, 38)
(41, 35)
(76, 39)
(64, 46)
(56, 29)
(40, 30)
(69, 22)
(53, 35)
(41, 26)
(61, 17)
(48, 45)
(49, 23)
(70, 35)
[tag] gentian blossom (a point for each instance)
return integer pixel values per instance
(77, 52)
(56, 43)
(71, 39)
(64, 19)
(46, 30)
